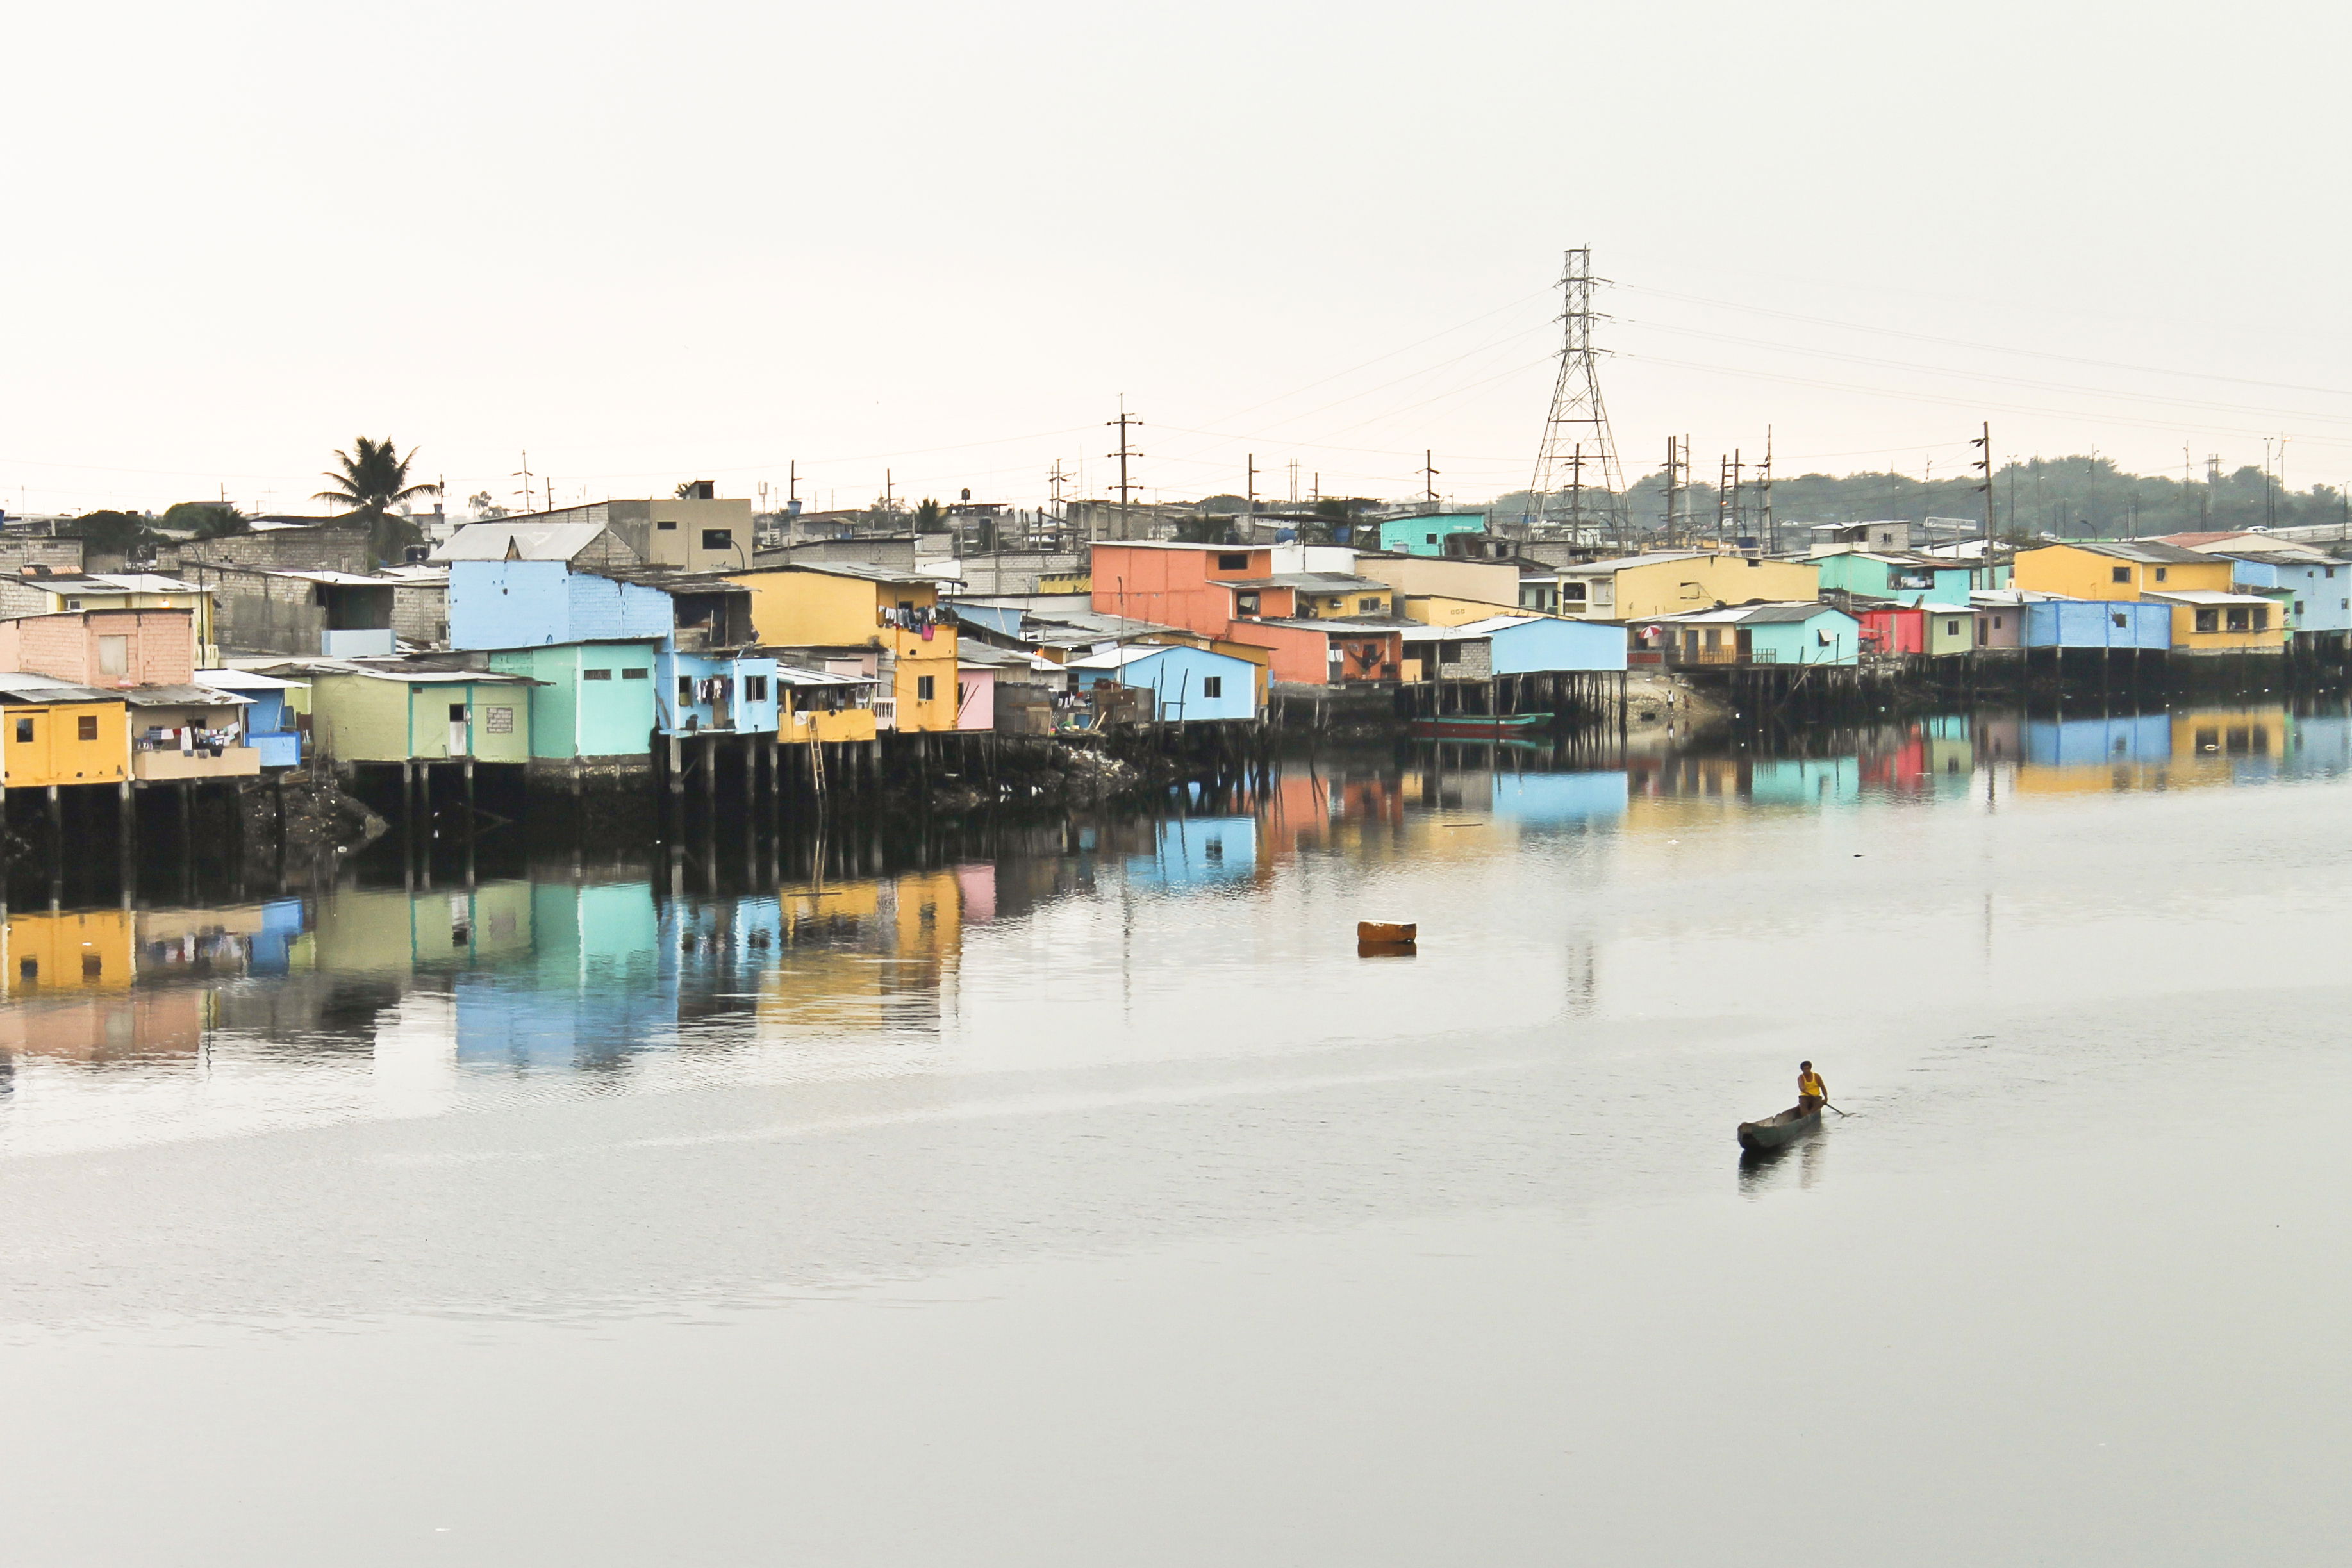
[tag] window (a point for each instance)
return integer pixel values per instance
(93, 967)
(1572, 591)
(755, 688)
(2160, 574)
(718, 539)
(1690, 591)
(2208, 620)
(636, 675)
(85, 726)
(73, 603)
(28, 969)
(2331, 571)
(1431, 539)
(113, 655)
(2118, 618)
(2262, 617)
(457, 712)
(1212, 685)
(595, 674)
(1952, 628)
(1449, 653)
(1368, 606)
(666, 528)
(1244, 603)
(2237, 619)
(1233, 563)
(924, 687)
(2298, 607)
(2120, 573)
(23, 729)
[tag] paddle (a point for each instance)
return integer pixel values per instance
(1827, 1106)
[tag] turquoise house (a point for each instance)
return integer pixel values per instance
(1800, 631)
(1186, 684)
(1426, 535)
(1906, 579)
(597, 700)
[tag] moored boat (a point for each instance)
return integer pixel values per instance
(1773, 1132)
(1479, 725)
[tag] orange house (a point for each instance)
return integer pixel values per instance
(1176, 585)
(103, 647)
(1232, 592)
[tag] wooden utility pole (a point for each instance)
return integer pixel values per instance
(1673, 475)
(1126, 450)
(1983, 443)
(1429, 476)
(1249, 496)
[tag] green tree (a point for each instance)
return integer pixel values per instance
(205, 520)
(372, 479)
(930, 516)
(107, 532)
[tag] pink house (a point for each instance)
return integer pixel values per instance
(104, 648)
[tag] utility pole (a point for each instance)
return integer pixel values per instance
(1249, 495)
(1674, 486)
(1577, 412)
(1771, 545)
(1727, 499)
(1983, 443)
(1575, 494)
(1429, 475)
(1293, 481)
(1126, 451)
(523, 473)
(793, 470)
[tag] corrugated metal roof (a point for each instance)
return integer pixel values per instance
(180, 697)
(530, 542)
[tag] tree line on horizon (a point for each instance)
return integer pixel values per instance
(2081, 496)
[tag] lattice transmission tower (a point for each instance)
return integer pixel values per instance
(1578, 479)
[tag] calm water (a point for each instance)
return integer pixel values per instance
(1079, 1195)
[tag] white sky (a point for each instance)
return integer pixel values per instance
(654, 243)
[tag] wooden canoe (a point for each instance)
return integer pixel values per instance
(1387, 931)
(1773, 1132)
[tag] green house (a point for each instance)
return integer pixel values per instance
(1905, 578)
(419, 716)
(594, 699)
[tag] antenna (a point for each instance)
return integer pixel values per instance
(1577, 414)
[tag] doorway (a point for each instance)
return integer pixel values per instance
(461, 730)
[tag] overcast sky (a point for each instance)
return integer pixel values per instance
(654, 243)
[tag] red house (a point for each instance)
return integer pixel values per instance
(1895, 629)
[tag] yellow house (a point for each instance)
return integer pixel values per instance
(818, 705)
(1639, 587)
(1491, 584)
(1436, 609)
(2208, 615)
(852, 606)
(55, 734)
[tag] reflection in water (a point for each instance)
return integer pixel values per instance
(1800, 1163)
(809, 961)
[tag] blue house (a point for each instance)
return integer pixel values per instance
(2317, 594)
(2142, 738)
(598, 985)
(1795, 632)
(1426, 535)
(2095, 623)
(707, 676)
(1196, 851)
(272, 723)
(1515, 645)
(1186, 684)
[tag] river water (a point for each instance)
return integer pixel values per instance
(1079, 1195)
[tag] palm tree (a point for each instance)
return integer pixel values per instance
(374, 479)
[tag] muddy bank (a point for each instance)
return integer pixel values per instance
(304, 816)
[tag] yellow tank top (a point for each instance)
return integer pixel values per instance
(1811, 1083)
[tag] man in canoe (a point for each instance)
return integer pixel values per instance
(1811, 1092)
